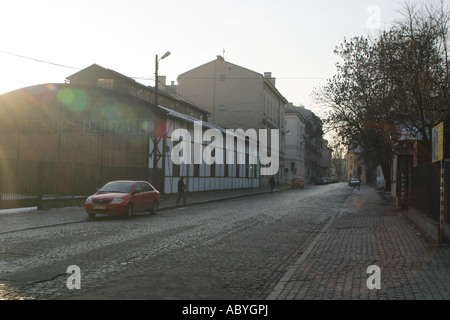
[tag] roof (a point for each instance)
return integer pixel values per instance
(98, 67)
(95, 69)
(257, 75)
(189, 119)
(306, 114)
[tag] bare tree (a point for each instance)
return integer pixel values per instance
(393, 87)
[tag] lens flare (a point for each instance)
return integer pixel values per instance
(148, 126)
(51, 87)
(76, 100)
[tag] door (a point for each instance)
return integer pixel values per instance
(138, 198)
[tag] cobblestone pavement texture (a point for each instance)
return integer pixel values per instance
(367, 231)
(363, 231)
(72, 214)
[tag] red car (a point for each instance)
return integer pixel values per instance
(124, 197)
(298, 182)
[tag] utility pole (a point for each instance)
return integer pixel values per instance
(155, 153)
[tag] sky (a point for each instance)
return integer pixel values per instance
(47, 40)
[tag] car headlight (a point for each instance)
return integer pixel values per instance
(89, 200)
(117, 201)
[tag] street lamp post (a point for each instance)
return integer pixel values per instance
(155, 153)
(156, 74)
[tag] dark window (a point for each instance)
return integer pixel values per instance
(196, 170)
(176, 170)
(106, 83)
(213, 170)
(146, 187)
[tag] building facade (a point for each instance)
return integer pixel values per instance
(355, 166)
(295, 142)
(97, 76)
(236, 98)
(317, 154)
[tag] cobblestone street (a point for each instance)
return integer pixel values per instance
(312, 244)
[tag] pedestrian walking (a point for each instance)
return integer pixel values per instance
(272, 183)
(181, 191)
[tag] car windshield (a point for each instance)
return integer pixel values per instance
(117, 186)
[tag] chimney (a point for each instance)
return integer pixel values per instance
(268, 76)
(162, 80)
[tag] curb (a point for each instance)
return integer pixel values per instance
(169, 207)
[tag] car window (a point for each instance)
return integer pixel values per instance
(117, 186)
(138, 188)
(146, 187)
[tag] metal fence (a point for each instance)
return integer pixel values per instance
(425, 189)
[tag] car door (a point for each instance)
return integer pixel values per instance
(149, 195)
(138, 198)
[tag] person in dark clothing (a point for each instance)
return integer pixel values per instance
(272, 183)
(181, 191)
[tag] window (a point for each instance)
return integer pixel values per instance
(176, 170)
(196, 170)
(138, 188)
(247, 169)
(146, 187)
(105, 83)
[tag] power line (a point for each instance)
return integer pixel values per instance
(58, 64)
(152, 78)
(76, 68)
(39, 60)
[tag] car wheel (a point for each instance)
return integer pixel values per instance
(154, 208)
(129, 211)
(91, 216)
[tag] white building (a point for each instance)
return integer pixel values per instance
(203, 176)
(295, 141)
(236, 98)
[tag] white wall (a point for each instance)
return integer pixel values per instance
(204, 181)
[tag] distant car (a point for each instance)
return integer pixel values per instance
(320, 181)
(298, 182)
(123, 197)
(353, 182)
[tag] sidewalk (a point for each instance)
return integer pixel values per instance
(31, 217)
(168, 201)
(367, 231)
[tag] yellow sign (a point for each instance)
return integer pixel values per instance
(438, 142)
